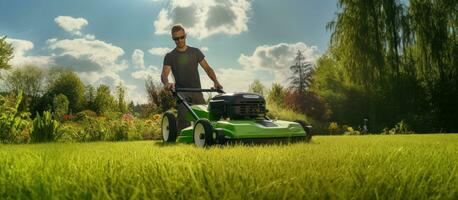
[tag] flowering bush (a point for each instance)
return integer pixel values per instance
(127, 117)
(68, 117)
(333, 128)
(351, 131)
(94, 129)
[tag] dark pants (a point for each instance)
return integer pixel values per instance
(191, 98)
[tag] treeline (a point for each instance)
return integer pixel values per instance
(39, 105)
(390, 62)
(61, 91)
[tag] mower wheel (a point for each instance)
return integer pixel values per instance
(307, 129)
(169, 127)
(203, 133)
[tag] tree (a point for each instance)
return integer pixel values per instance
(62, 81)
(60, 105)
(104, 101)
(159, 100)
(29, 79)
(131, 107)
(390, 61)
(256, 87)
(276, 94)
(6, 53)
(89, 96)
(121, 93)
(302, 73)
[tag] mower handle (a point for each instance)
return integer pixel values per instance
(174, 90)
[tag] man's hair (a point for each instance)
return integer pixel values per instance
(177, 27)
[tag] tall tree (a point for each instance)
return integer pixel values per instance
(257, 87)
(396, 62)
(276, 94)
(6, 53)
(63, 81)
(434, 24)
(301, 73)
(104, 101)
(89, 96)
(60, 106)
(29, 79)
(121, 95)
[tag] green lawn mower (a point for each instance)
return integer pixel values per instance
(229, 118)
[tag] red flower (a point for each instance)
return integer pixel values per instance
(68, 117)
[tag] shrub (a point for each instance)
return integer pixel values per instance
(276, 94)
(350, 131)
(85, 113)
(333, 128)
(149, 129)
(68, 117)
(309, 103)
(69, 132)
(400, 128)
(119, 131)
(44, 128)
(94, 129)
(14, 125)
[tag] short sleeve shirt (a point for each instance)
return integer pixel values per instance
(185, 67)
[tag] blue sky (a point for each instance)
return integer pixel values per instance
(107, 42)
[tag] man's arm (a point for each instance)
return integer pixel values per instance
(165, 77)
(211, 73)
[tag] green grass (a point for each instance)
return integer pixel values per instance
(331, 167)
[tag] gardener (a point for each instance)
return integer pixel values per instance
(182, 61)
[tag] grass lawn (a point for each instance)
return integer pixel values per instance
(331, 167)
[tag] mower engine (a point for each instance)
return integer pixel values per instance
(237, 106)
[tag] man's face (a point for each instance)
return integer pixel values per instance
(180, 38)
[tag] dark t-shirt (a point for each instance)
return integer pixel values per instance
(184, 67)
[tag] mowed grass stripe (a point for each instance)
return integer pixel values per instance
(343, 167)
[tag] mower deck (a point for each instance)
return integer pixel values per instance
(246, 130)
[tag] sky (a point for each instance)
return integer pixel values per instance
(118, 41)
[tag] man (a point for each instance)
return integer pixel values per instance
(183, 62)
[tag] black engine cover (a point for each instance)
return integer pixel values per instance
(237, 106)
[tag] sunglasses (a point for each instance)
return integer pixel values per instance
(179, 38)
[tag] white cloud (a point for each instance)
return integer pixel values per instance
(144, 73)
(154, 72)
(277, 59)
(137, 58)
(21, 47)
(268, 63)
(136, 95)
(96, 62)
(89, 37)
(159, 51)
(232, 79)
(70, 24)
(105, 55)
(204, 49)
(203, 18)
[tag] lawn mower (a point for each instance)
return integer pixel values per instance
(230, 117)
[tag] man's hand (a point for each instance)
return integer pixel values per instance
(169, 86)
(217, 85)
